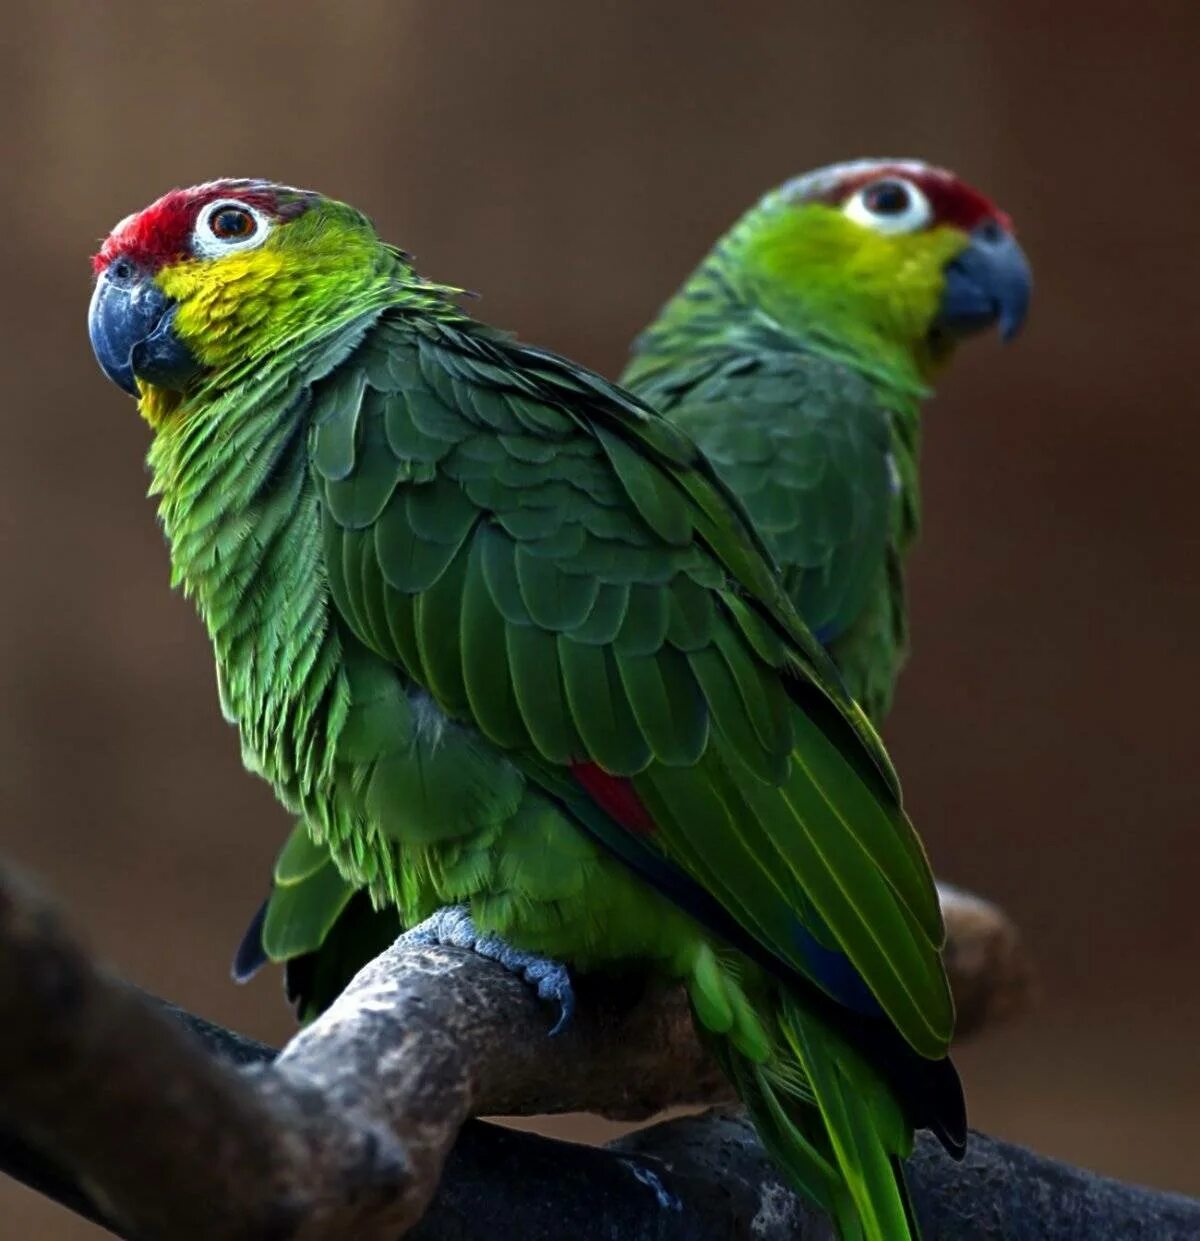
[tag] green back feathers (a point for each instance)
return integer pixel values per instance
(797, 377)
(563, 571)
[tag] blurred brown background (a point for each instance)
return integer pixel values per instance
(572, 161)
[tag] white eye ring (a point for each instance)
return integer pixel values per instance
(914, 214)
(208, 245)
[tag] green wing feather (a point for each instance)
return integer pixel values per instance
(575, 582)
(810, 448)
(307, 898)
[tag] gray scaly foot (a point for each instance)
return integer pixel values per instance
(453, 926)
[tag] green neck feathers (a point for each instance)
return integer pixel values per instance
(230, 467)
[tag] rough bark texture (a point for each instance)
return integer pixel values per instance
(705, 1178)
(346, 1132)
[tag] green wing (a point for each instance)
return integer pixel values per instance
(562, 570)
(318, 924)
(806, 444)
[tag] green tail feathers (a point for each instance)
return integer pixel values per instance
(831, 1123)
(319, 926)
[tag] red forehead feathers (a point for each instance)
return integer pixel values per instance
(161, 233)
(952, 201)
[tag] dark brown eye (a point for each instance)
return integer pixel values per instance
(886, 198)
(890, 205)
(229, 225)
(233, 224)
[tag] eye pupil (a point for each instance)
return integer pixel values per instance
(232, 224)
(886, 198)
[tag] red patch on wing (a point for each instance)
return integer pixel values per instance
(162, 233)
(615, 796)
(951, 200)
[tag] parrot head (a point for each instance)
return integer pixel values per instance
(222, 273)
(891, 251)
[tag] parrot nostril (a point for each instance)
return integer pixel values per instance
(121, 270)
(990, 232)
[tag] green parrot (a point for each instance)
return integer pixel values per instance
(797, 355)
(501, 638)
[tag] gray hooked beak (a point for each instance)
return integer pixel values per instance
(130, 323)
(989, 282)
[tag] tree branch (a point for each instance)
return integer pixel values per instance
(345, 1133)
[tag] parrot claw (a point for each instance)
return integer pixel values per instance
(454, 927)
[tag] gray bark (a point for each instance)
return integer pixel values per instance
(161, 1125)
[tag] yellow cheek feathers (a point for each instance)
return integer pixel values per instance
(883, 290)
(222, 303)
(221, 306)
(156, 404)
(235, 308)
(903, 277)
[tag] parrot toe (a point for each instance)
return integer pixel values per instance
(454, 927)
(451, 926)
(553, 984)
